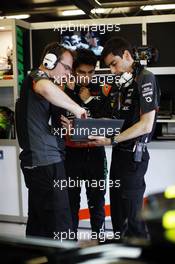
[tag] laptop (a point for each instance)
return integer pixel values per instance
(106, 127)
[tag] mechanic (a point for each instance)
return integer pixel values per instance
(137, 102)
(84, 162)
(41, 156)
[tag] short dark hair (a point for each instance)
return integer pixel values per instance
(84, 56)
(55, 48)
(116, 46)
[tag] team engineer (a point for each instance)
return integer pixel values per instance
(41, 156)
(137, 105)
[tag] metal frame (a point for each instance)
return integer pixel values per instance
(119, 21)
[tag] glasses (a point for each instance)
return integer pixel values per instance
(66, 67)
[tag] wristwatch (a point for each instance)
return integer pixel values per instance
(114, 141)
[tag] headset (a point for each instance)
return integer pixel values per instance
(127, 77)
(50, 60)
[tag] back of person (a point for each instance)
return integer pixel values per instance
(34, 133)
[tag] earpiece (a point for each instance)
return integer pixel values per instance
(50, 61)
(125, 79)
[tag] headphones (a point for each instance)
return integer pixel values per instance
(50, 61)
(127, 77)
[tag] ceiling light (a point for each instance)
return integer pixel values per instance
(110, 10)
(157, 7)
(2, 28)
(24, 16)
(73, 12)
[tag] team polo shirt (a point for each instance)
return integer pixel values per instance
(141, 97)
(40, 147)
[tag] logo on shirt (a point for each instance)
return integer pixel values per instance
(147, 89)
(148, 99)
(98, 98)
(125, 108)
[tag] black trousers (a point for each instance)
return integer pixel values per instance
(88, 164)
(127, 200)
(48, 203)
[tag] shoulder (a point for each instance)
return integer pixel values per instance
(146, 75)
(146, 79)
(40, 81)
(37, 75)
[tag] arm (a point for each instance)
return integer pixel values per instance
(57, 97)
(142, 127)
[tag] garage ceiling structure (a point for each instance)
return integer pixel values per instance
(57, 10)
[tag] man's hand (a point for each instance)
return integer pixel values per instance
(84, 93)
(80, 112)
(99, 141)
(66, 123)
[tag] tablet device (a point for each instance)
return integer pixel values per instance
(82, 128)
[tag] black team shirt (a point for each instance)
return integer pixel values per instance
(39, 146)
